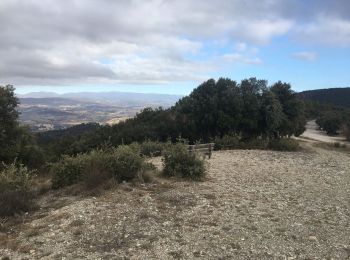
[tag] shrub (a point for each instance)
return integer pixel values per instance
(178, 161)
(284, 144)
(126, 164)
(150, 148)
(122, 163)
(227, 142)
(15, 194)
(67, 171)
(255, 143)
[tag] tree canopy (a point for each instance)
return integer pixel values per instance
(249, 109)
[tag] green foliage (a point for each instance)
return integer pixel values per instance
(16, 141)
(255, 143)
(178, 161)
(122, 163)
(15, 194)
(234, 142)
(150, 148)
(126, 164)
(8, 123)
(284, 144)
(67, 171)
(330, 121)
(250, 109)
(334, 96)
(227, 142)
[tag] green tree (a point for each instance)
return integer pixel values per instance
(272, 115)
(330, 121)
(294, 120)
(9, 131)
(16, 141)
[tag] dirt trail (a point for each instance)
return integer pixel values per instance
(312, 132)
(254, 205)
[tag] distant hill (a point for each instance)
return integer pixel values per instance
(335, 96)
(112, 98)
(49, 111)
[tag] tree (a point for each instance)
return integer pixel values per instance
(272, 115)
(16, 141)
(330, 121)
(251, 91)
(294, 120)
(9, 131)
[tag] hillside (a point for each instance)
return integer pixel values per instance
(44, 111)
(253, 205)
(335, 96)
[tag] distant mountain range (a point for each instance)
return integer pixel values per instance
(113, 98)
(335, 96)
(49, 111)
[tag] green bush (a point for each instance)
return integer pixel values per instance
(122, 163)
(125, 163)
(67, 171)
(284, 144)
(178, 161)
(150, 148)
(227, 142)
(256, 143)
(15, 193)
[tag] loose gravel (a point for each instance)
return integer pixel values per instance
(253, 205)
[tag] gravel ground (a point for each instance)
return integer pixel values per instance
(253, 205)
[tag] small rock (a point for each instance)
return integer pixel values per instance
(312, 238)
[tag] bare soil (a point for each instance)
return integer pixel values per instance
(312, 132)
(253, 205)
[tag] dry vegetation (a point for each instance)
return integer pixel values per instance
(252, 205)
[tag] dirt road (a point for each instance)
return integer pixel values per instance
(312, 132)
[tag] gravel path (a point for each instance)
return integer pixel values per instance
(254, 205)
(312, 132)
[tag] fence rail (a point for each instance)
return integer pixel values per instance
(205, 149)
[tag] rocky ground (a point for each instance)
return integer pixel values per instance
(253, 205)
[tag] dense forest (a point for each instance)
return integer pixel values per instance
(335, 96)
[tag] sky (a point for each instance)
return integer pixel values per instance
(171, 46)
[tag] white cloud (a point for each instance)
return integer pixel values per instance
(328, 30)
(305, 55)
(239, 58)
(66, 42)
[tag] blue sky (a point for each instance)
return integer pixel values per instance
(164, 46)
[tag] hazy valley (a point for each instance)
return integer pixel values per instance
(44, 111)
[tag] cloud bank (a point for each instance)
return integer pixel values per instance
(50, 42)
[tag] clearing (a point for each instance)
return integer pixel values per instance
(253, 205)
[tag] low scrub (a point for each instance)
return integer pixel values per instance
(15, 193)
(150, 148)
(178, 161)
(227, 142)
(284, 144)
(257, 143)
(122, 163)
(234, 142)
